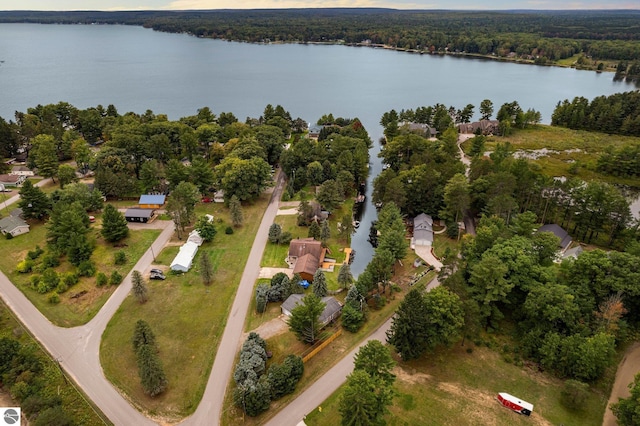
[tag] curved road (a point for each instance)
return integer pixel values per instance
(77, 349)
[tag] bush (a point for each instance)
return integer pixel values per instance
(101, 279)
(8, 236)
(352, 318)
(50, 260)
(34, 254)
(35, 281)
(574, 394)
(86, 269)
(70, 279)
(228, 230)
(54, 299)
(120, 258)
(285, 238)
(24, 266)
(116, 278)
(61, 288)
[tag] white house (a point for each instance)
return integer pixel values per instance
(13, 225)
(422, 230)
(184, 258)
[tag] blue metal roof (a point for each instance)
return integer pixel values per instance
(152, 199)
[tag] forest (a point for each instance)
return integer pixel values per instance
(541, 37)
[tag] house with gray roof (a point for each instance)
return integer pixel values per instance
(332, 309)
(422, 230)
(14, 226)
(563, 236)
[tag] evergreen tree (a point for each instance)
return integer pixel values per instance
(314, 230)
(114, 224)
(409, 327)
(345, 278)
(235, 209)
(305, 318)
(138, 287)
(150, 370)
(34, 203)
(275, 231)
(375, 360)
(320, 288)
(46, 157)
(325, 232)
(364, 400)
(143, 335)
(206, 268)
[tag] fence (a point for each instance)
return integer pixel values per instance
(313, 351)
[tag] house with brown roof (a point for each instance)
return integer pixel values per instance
(486, 127)
(305, 257)
(11, 180)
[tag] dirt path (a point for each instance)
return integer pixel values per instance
(628, 368)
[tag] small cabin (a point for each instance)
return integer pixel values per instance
(151, 201)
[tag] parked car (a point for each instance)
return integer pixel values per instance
(156, 274)
(207, 200)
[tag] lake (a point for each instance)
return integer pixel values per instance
(137, 69)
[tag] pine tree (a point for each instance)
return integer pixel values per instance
(408, 327)
(150, 370)
(138, 287)
(206, 268)
(275, 231)
(114, 224)
(143, 335)
(305, 318)
(325, 232)
(345, 278)
(235, 209)
(314, 230)
(320, 284)
(34, 203)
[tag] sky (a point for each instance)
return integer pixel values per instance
(280, 4)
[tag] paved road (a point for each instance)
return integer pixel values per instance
(315, 395)
(77, 349)
(210, 408)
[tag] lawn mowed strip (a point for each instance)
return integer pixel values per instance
(454, 387)
(186, 317)
(72, 311)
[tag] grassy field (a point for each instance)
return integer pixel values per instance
(187, 318)
(589, 144)
(74, 403)
(458, 386)
(70, 311)
(286, 343)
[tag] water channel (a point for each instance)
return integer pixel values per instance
(137, 69)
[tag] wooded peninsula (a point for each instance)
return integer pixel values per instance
(603, 40)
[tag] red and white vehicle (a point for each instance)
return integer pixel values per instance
(515, 404)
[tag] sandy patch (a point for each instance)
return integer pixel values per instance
(412, 378)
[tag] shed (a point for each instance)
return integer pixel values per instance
(184, 258)
(563, 236)
(139, 215)
(573, 253)
(332, 309)
(13, 225)
(422, 230)
(218, 197)
(151, 201)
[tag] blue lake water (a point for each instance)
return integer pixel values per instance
(137, 69)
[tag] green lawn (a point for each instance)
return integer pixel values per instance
(187, 318)
(454, 387)
(70, 311)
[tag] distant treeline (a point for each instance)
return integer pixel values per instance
(540, 36)
(615, 114)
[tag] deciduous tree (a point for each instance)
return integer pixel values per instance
(305, 318)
